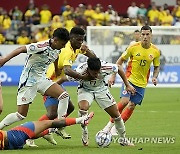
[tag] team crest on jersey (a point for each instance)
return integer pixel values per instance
(70, 61)
(124, 92)
(23, 99)
(151, 57)
(138, 54)
(32, 47)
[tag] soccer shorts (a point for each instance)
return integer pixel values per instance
(103, 98)
(137, 98)
(26, 94)
(49, 101)
(17, 136)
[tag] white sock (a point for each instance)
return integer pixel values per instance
(108, 126)
(120, 127)
(63, 104)
(82, 113)
(10, 119)
(79, 120)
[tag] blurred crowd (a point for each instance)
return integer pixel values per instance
(38, 24)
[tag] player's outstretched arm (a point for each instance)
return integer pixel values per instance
(89, 53)
(129, 88)
(155, 75)
(72, 73)
(62, 79)
(14, 53)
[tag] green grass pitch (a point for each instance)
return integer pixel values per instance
(157, 118)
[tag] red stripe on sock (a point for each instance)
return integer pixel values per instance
(70, 121)
(120, 107)
(44, 117)
(45, 132)
(126, 114)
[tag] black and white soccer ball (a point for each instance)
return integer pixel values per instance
(103, 138)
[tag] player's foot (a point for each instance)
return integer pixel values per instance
(114, 131)
(87, 118)
(125, 142)
(30, 143)
(62, 133)
(50, 139)
(85, 137)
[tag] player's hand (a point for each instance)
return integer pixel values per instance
(154, 81)
(131, 89)
(84, 48)
(111, 80)
(2, 61)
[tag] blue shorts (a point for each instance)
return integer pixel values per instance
(49, 101)
(137, 98)
(17, 136)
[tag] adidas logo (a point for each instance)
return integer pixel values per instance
(138, 54)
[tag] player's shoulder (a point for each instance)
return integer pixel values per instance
(38, 46)
(155, 48)
(134, 45)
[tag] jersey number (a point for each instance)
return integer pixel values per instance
(142, 62)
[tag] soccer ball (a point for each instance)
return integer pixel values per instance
(103, 138)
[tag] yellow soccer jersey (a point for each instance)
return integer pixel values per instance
(138, 68)
(66, 57)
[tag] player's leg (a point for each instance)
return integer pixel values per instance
(125, 97)
(84, 102)
(63, 97)
(24, 98)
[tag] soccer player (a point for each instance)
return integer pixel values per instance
(16, 137)
(136, 37)
(96, 89)
(64, 67)
(66, 58)
(141, 55)
(33, 78)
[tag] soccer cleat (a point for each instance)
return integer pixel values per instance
(87, 118)
(30, 143)
(85, 137)
(114, 131)
(50, 139)
(61, 132)
(125, 142)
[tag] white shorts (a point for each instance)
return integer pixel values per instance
(26, 94)
(104, 99)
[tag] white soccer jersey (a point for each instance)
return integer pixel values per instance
(40, 56)
(99, 83)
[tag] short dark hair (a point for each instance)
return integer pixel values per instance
(62, 34)
(77, 30)
(146, 27)
(94, 64)
(136, 31)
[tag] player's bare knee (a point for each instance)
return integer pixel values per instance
(131, 106)
(52, 115)
(83, 106)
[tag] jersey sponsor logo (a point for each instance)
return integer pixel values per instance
(43, 45)
(138, 54)
(32, 47)
(151, 57)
